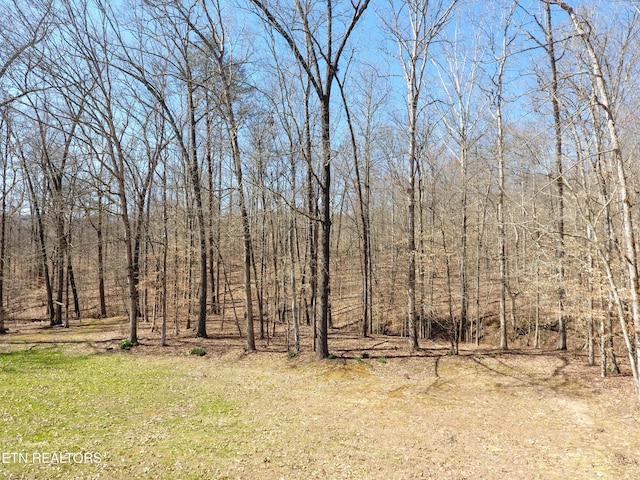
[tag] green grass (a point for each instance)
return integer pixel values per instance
(177, 416)
(146, 417)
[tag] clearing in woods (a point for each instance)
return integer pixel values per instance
(372, 412)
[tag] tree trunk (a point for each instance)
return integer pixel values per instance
(631, 257)
(502, 234)
(100, 241)
(322, 346)
(194, 173)
(3, 243)
(464, 287)
(411, 227)
(212, 204)
(165, 248)
(559, 180)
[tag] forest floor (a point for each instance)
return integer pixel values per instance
(375, 411)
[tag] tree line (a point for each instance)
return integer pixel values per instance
(428, 168)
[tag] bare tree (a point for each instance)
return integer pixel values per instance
(414, 25)
(319, 54)
(554, 94)
(462, 112)
(105, 131)
(498, 82)
(608, 109)
(57, 117)
(362, 124)
(216, 46)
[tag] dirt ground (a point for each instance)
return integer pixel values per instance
(378, 411)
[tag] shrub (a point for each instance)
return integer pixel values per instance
(197, 351)
(382, 360)
(126, 344)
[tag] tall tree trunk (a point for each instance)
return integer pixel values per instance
(194, 173)
(322, 346)
(3, 236)
(631, 257)
(246, 225)
(100, 242)
(464, 282)
(502, 234)
(590, 320)
(295, 315)
(411, 226)
(610, 240)
(559, 180)
(312, 211)
(213, 264)
(60, 266)
(414, 25)
(165, 248)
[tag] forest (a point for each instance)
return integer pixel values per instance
(456, 170)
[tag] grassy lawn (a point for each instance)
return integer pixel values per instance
(156, 414)
(132, 417)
